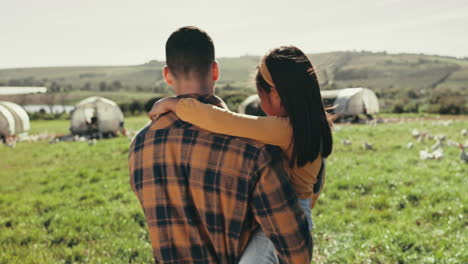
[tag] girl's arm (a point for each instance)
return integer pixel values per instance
(269, 130)
(162, 106)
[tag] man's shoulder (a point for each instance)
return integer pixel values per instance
(162, 122)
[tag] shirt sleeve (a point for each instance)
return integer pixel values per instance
(269, 130)
(276, 209)
(134, 166)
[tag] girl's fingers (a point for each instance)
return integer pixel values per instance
(153, 117)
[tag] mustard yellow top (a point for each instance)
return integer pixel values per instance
(270, 130)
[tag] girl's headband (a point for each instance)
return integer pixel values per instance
(265, 72)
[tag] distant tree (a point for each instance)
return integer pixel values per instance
(55, 87)
(149, 104)
(159, 89)
(102, 86)
(398, 109)
(412, 94)
(86, 86)
(116, 85)
(136, 107)
(125, 108)
(14, 82)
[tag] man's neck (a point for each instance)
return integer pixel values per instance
(194, 90)
(193, 85)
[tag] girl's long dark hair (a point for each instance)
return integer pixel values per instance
(299, 90)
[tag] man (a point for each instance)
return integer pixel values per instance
(205, 194)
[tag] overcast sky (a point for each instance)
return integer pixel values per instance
(115, 32)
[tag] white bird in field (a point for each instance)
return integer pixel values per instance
(368, 146)
(425, 155)
(422, 136)
(452, 143)
(92, 142)
(415, 133)
(373, 122)
(11, 144)
(464, 132)
(409, 145)
(346, 142)
(438, 154)
(54, 140)
(437, 145)
(463, 155)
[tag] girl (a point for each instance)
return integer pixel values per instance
(297, 122)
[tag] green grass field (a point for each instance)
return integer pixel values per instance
(71, 203)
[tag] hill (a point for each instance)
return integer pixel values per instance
(403, 82)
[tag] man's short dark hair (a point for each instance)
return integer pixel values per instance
(189, 50)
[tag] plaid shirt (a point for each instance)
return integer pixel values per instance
(204, 194)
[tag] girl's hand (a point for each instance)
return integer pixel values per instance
(163, 106)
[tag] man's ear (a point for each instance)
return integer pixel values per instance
(215, 71)
(167, 76)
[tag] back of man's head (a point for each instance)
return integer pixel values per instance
(189, 51)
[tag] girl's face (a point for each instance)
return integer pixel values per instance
(271, 103)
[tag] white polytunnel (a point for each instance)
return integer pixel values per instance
(352, 101)
(96, 115)
(13, 119)
(7, 122)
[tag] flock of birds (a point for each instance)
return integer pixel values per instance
(52, 138)
(366, 145)
(436, 151)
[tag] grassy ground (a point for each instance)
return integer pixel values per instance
(71, 202)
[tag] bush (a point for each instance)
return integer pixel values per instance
(149, 104)
(234, 100)
(47, 116)
(133, 108)
(398, 108)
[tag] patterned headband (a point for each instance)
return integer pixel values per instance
(265, 72)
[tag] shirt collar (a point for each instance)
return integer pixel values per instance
(206, 98)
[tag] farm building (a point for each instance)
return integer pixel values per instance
(97, 117)
(10, 90)
(351, 101)
(13, 121)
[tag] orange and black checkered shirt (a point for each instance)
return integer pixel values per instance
(203, 194)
